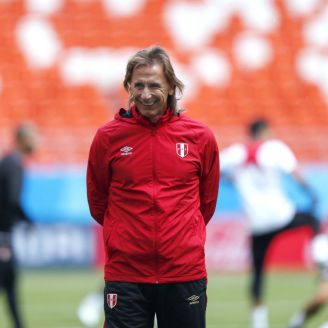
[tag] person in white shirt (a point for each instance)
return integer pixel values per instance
(256, 168)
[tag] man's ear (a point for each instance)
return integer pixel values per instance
(171, 91)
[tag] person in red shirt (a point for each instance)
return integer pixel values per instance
(152, 183)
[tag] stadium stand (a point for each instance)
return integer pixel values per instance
(62, 65)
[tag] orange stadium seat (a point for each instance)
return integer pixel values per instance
(68, 115)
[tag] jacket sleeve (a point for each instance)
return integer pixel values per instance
(209, 178)
(14, 172)
(98, 178)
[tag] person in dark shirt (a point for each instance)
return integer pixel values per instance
(11, 211)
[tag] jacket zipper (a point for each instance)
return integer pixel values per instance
(153, 139)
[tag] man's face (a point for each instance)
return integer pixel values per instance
(149, 90)
(28, 142)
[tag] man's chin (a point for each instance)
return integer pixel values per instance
(147, 110)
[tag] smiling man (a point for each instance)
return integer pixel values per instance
(149, 90)
(152, 182)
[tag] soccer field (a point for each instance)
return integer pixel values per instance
(50, 298)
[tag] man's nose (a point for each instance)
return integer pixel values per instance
(146, 94)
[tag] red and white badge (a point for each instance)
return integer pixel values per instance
(182, 149)
(111, 300)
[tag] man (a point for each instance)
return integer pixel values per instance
(320, 298)
(11, 179)
(152, 181)
(256, 169)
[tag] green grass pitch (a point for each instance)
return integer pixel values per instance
(50, 298)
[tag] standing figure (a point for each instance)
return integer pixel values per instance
(11, 211)
(152, 183)
(320, 297)
(256, 169)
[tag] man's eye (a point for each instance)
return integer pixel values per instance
(154, 86)
(139, 86)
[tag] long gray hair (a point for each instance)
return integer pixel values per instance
(149, 56)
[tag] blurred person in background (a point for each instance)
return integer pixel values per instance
(152, 180)
(11, 211)
(256, 169)
(320, 298)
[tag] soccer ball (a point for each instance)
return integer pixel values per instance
(90, 310)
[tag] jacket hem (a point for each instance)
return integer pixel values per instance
(154, 280)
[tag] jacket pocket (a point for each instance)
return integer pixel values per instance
(109, 233)
(198, 226)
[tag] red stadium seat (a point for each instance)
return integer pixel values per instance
(297, 109)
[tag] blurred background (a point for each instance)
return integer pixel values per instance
(62, 63)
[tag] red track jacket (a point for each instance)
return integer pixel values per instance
(153, 188)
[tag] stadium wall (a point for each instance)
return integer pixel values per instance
(66, 236)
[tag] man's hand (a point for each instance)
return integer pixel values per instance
(5, 254)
